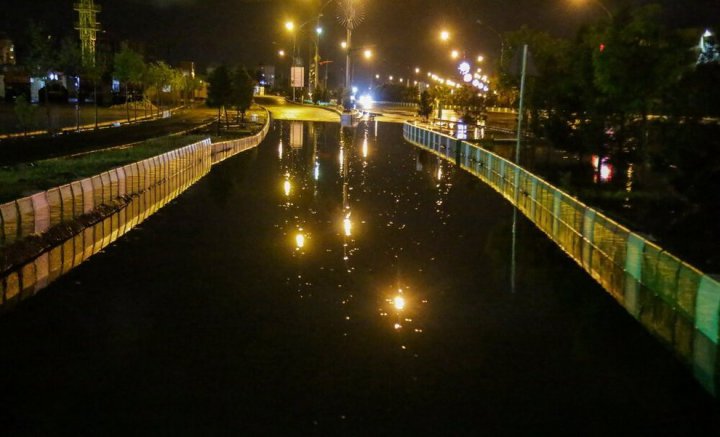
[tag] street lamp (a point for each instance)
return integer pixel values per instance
(599, 3)
(367, 53)
(455, 54)
(444, 35)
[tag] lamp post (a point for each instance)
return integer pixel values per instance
(351, 16)
(290, 27)
(500, 37)
(316, 60)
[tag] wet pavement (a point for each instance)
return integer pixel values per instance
(336, 282)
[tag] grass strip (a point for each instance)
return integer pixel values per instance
(26, 179)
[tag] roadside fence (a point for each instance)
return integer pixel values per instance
(676, 302)
(136, 190)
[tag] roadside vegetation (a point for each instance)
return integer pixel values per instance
(25, 179)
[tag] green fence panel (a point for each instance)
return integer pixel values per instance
(635, 246)
(688, 283)
(707, 308)
(588, 228)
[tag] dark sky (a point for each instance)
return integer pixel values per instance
(404, 32)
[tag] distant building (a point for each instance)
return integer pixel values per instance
(709, 49)
(266, 76)
(7, 51)
(7, 59)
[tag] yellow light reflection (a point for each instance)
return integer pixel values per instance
(287, 187)
(365, 148)
(399, 303)
(300, 241)
(347, 226)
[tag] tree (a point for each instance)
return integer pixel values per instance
(40, 59)
(637, 59)
(219, 91)
(159, 74)
(69, 60)
(425, 105)
(471, 105)
(129, 68)
(25, 113)
(189, 85)
(242, 91)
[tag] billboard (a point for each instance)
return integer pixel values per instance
(297, 77)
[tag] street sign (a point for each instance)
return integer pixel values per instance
(297, 77)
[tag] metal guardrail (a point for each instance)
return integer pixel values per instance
(676, 302)
(91, 126)
(136, 191)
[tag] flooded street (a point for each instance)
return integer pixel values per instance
(336, 282)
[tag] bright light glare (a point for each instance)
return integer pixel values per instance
(455, 54)
(367, 54)
(480, 58)
(399, 302)
(286, 187)
(347, 226)
(300, 241)
(289, 25)
(417, 70)
(319, 30)
(343, 44)
(444, 35)
(366, 101)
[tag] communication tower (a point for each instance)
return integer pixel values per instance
(88, 27)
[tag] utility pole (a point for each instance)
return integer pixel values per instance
(347, 56)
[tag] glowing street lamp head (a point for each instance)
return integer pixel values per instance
(480, 58)
(417, 70)
(290, 26)
(367, 54)
(399, 303)
(319, 30)
(444, 35)
(281, 53)
(343, 44)
(455, 54)
(377, 76)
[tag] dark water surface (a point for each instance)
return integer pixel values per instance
(394, 316)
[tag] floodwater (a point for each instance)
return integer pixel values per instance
(336, 282)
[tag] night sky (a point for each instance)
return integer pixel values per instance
(403, 32)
